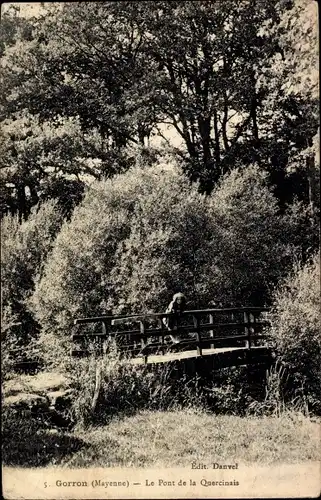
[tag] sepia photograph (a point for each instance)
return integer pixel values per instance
(160, 249)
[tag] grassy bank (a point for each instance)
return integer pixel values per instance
(176, 438)
(168, 439)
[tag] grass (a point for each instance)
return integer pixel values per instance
(171, 433)
(176, 438)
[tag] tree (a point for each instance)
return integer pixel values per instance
(215, 71)
(291, 117)
(82, 259)
(37, 160)
(64, 129)
(214, 81)
(167, 249)
(24, 250)
(85, 61)
(252, 245)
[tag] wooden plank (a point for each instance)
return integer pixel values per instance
(206, 343)
(258, 354)
(133, 319)
(105, 330)
(161, 326)
(211, 331)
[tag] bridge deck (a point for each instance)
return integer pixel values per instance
(173, 356)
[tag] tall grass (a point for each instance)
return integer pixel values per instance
(109, 386)
(113, 386)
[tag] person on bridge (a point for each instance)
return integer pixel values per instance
(175, 308)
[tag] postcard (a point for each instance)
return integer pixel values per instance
(160, 257)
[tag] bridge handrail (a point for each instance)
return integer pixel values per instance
(144, 316)
(159, 332)
(250, 324)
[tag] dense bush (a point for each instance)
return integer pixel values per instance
(141, 236)
(247, 253)
(112, 386)
(297, 333)
(167, 249)
(80, 278)
(25, 247)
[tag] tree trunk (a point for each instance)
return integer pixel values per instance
(310, 166)
(217, 149)
(21, 201)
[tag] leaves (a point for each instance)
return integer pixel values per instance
(140, 237)
(223, 75)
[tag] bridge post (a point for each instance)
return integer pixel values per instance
(252, 328)
(247, 330)
(211, 321)
(143, 338)
(108, 334)
(162, 336)
(196, 321)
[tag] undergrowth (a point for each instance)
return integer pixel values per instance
(113, 385)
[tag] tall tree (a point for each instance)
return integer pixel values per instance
(211, 56)
(212, 70)
(71, 105)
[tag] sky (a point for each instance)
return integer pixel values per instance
(26, 9)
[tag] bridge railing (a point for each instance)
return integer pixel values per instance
(198, 329)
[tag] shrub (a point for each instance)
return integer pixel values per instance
(166, 250)
(140, 237)
(25, 247)
(126, 247)
(296, 331)
(301, 233)
(247, 251)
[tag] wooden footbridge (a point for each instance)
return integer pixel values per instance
(214, 337)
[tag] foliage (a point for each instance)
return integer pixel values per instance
(278, 400)
(55, 140)
(84, 254)
(302, 231)
(291, 118)
(124, 389)
(140, 237)
(13, 27)
(248, 252)
(296, 330)
(225, 76)
(212, 62)
(25, 247)
(164, 252)
(41, 161)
